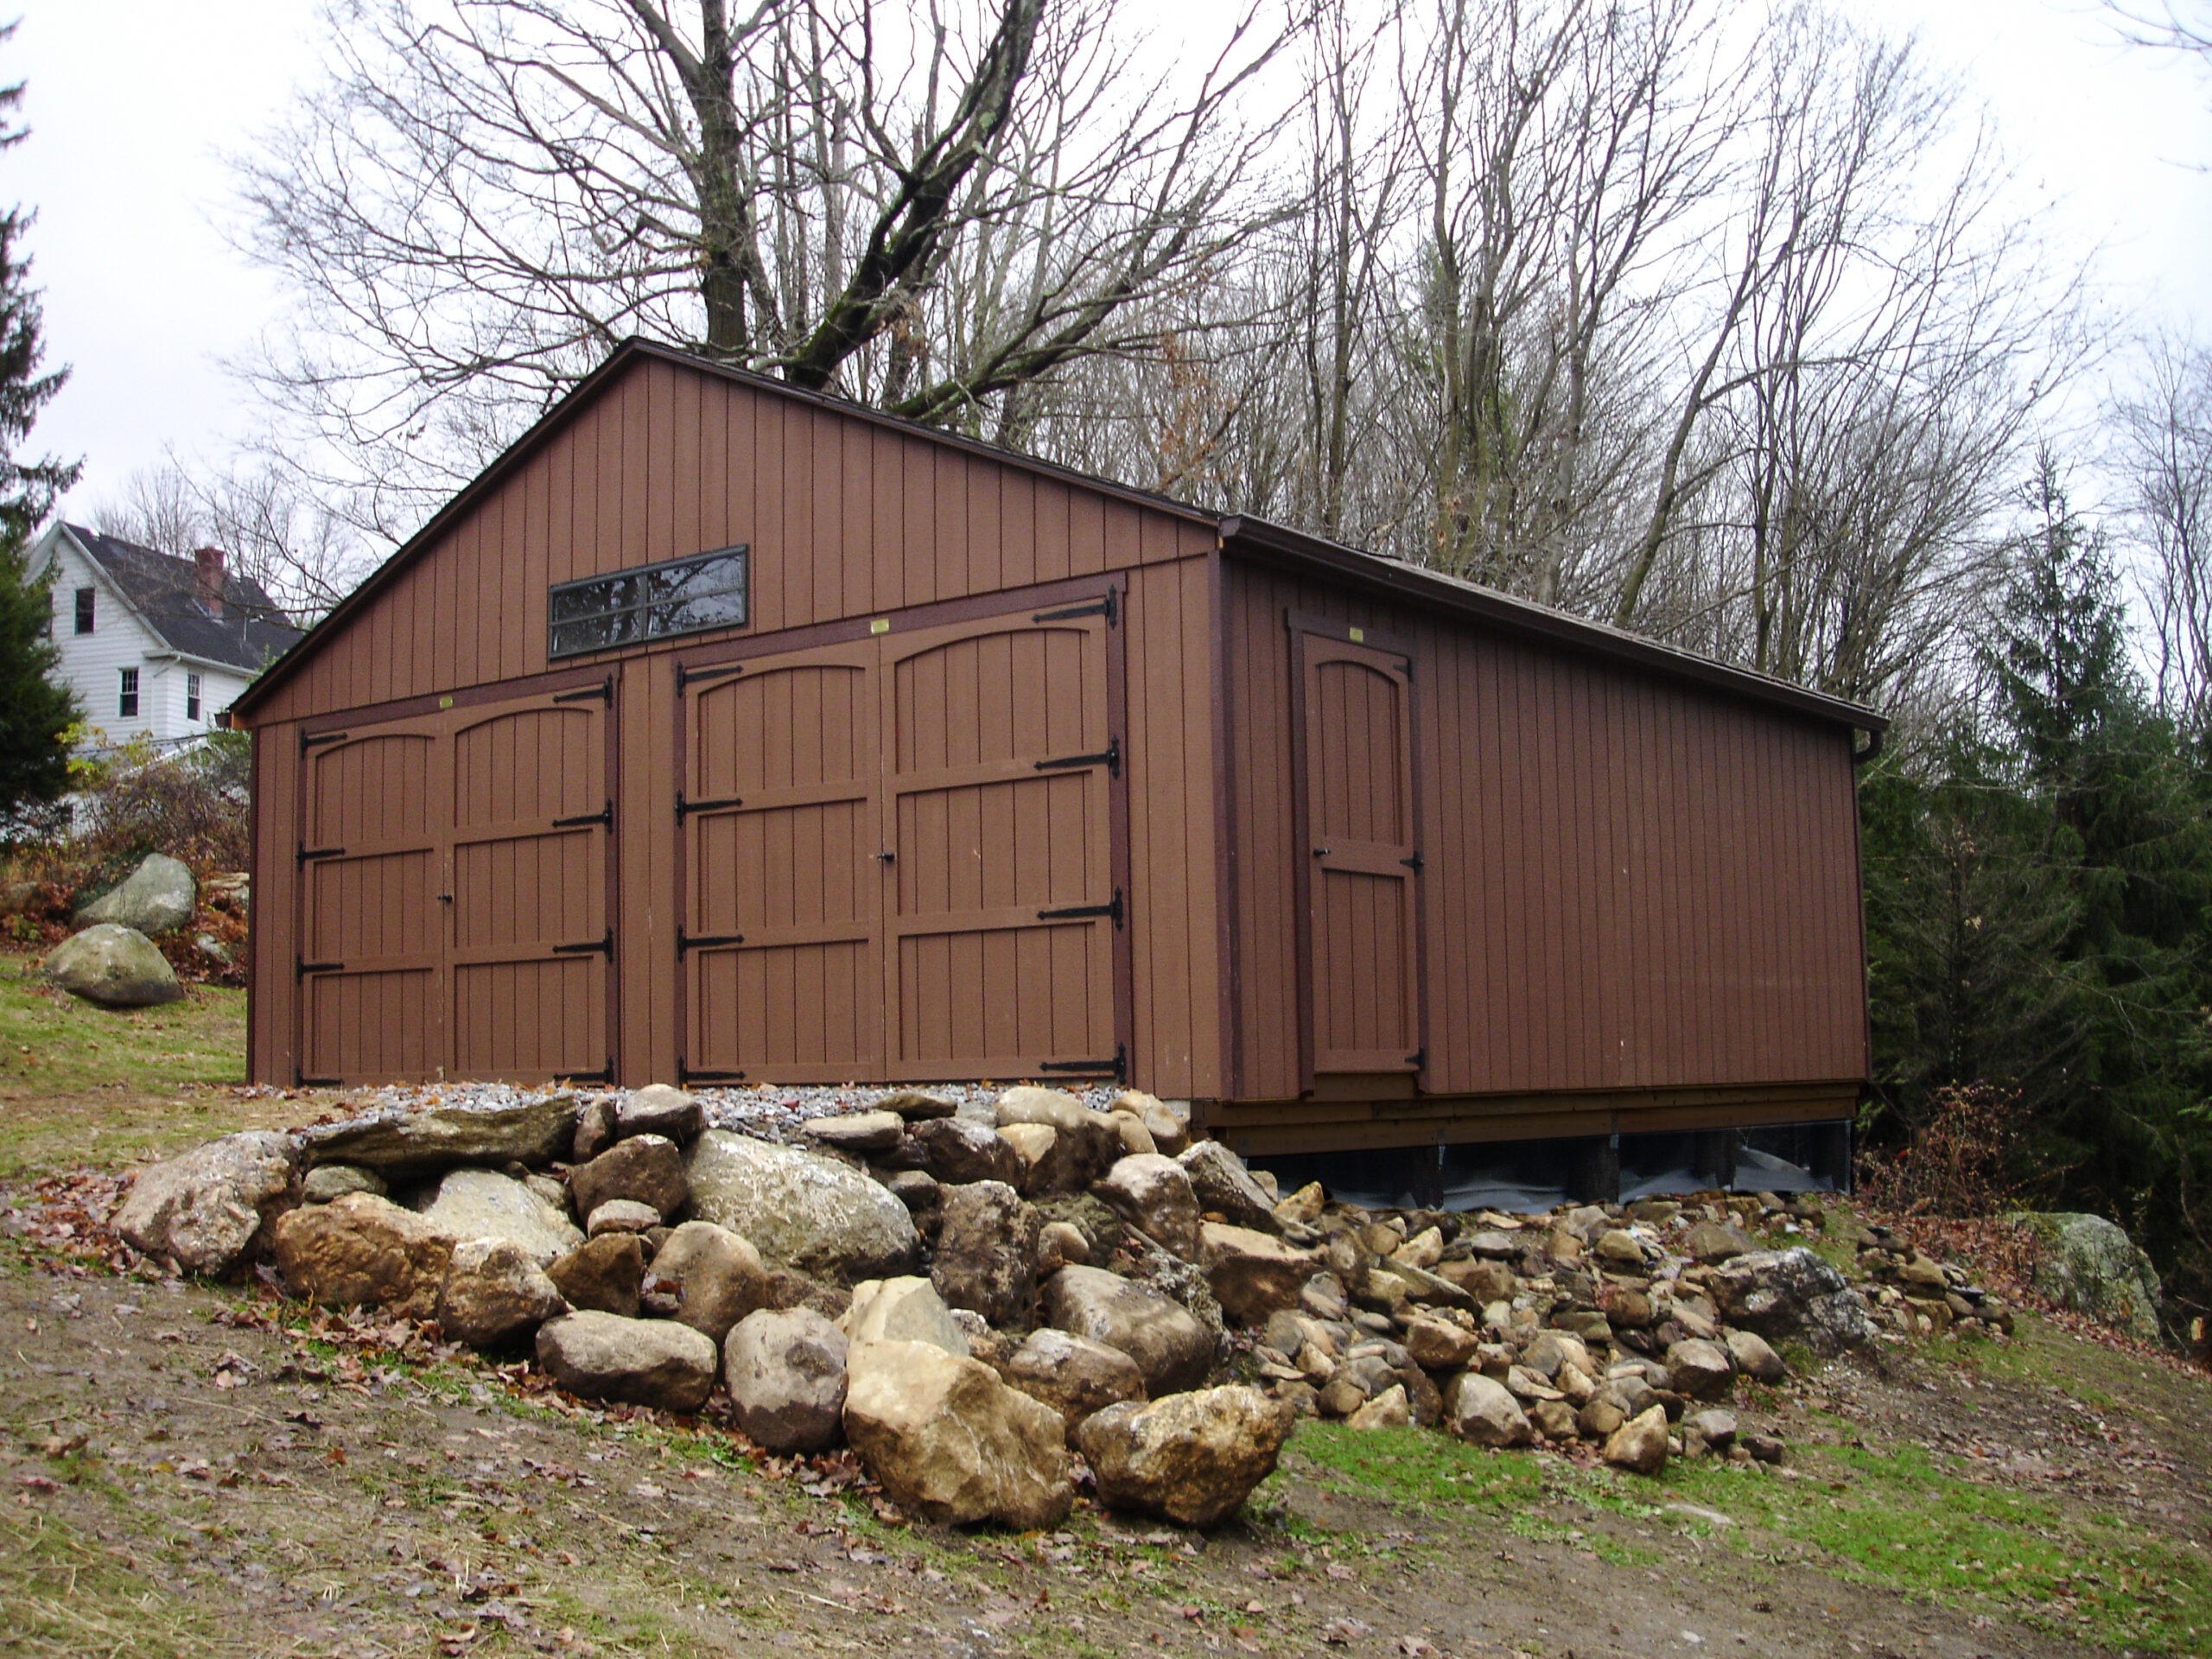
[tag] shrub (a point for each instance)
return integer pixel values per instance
(1958, 1160)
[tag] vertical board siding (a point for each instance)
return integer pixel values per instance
(1629, 884)
(1180, 1048)
(845, 518)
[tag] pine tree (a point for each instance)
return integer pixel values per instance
(34, 712)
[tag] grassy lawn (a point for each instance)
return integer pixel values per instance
(86, 1085)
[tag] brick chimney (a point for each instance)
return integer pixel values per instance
(207, 564)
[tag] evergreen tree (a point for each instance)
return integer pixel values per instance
(34, 712)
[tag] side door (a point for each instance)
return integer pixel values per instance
(1360, 857)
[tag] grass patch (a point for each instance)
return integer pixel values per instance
(1910, 1520)
(65, 1593)
(52, 1039)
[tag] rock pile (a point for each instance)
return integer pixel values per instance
(984, 1301)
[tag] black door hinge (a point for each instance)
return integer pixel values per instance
(1416, 863)
(1417, 1059)
(307, 742)
(306, 855)
(688, 941)
(693, 676)
(685, 1074)
(1099, 607)
(590, 948)
(302, 967)
(1110, 757)
(301, 1080)
(1117, 1068)
(1083, 913)
(685, 808)
(605, 815)
(605, 1074)
(603, 692)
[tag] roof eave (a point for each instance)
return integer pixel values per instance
(1524, 617)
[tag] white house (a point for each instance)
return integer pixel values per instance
(154, 646)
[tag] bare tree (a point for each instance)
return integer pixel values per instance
(304, 555)
(2165, 460)
(928, 209)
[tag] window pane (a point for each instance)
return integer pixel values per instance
(682, 597)
(84, 610)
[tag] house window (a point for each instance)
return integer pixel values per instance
(126, 702)
(654, 601)
(191, 696)
(84, 610)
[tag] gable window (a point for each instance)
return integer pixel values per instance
(651, 602)
(126, 701)
(191, 696)
(84, 610)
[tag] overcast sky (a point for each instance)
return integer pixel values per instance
(133, 105)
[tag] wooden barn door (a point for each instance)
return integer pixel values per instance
(371, 965)
(530, 869)
(898, 858)
(457, 903)
(1361, 858)
(782, 899)
(999, 754)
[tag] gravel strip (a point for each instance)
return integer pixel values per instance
(770, 1111)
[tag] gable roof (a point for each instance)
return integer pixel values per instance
(164, 591)
(1251, 538)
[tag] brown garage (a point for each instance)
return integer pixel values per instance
(723, 732)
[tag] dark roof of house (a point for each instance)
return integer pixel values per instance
(1253, 538)
(250, 632)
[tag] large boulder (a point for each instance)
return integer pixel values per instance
(1792, 1293)
(484, 1204)
(800, 1209)
(1084, 1144)
(2087, 1264)
(1639, 1444)
(1152, 1192)
(1171, 1347)
(645, 1169)
(206, 1210)
(603, 1275)
(657, 1109)
(1191, 1458)
(958, 1151)
(1700, 1368)
(985, 1252)
(495, 1289)
(717, 1277)
(1168, 1131)
(115, 966)
(361, 1250)
(950, 1441)
(1480, 1409)
(638, 1361)
(1225, 1188)
(1253, 1273)
(1073, 1374)
(784, 1369)
(534, 1129)
(160, 894)
(902, 1310)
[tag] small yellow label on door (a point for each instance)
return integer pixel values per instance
(880, 625)
(1359, 636)
(445, 703)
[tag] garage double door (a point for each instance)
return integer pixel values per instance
(899, 856)
(455, 893)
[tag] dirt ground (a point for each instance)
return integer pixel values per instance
(199, 1470)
